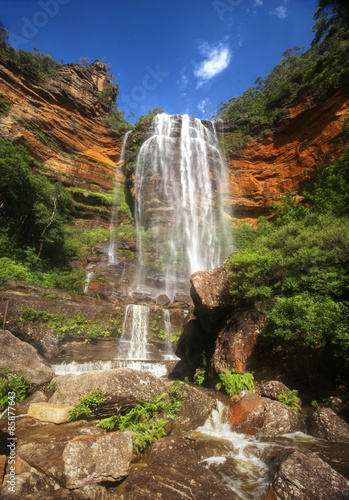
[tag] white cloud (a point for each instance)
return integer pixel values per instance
(217, 58)
(280, 12)
(183, 79)
(203, 104)
(257, 3)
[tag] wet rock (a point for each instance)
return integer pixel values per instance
(17, 355)
(48, 412)
(28, 486)
(254, 415)
(121, 389)
(162, 300)
(106, 457)
(324, 423)
(300, 475)
(183, 298)
(173, 473)
(195, 410)
(37, 397)
(273, 389)
(209, 294)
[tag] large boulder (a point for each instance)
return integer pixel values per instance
(237, 340)
(94, 459)
(300, 474)
(324, 423)
(28, 486)
(47, 412)
(209, 294)
(121, 389)
(273, 389)
(41, 444)
(254, 415)
(17, 355)
(196, 408)
(174, 473)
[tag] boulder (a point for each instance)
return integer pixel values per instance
(106, 457)
(195, 410)
(89, 492)
(41, 444)
(209, 294)
(27, 486)
(162, 300)
(48, 412)
(254, 415)
(193, 341)
(300, 474)
(174, 473)
(236, 341)
(17, 355)
(273, 389)
(121, 388)
(183, 298)
(324, 423)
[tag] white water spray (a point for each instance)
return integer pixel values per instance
(133, 342)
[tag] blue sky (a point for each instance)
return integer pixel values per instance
(184, 55)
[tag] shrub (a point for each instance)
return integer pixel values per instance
(290, 399)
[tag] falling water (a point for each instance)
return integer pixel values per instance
(179, 177)
(114, 217)
(133, 342)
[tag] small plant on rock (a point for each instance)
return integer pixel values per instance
(87, 404)
(10, 382)
(235, 382)
(290, 399)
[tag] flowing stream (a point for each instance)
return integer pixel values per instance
(179, 201)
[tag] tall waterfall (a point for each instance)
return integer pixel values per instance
(179, 210)
(114, 216)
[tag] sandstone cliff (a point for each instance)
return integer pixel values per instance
(266, 168)
(59, 121)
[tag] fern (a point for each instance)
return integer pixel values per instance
(235, 382)
(87, 404)
(143, 420)
(290, 399)
(10, 382)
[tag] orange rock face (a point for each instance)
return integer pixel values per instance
(265, 169)
(60, 122)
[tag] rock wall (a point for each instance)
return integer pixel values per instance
(59, 121)
(263, 170)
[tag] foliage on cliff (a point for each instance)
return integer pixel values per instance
(301, 75)
(33, 218)
(297, 267)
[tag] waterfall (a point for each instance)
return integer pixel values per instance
(133, 342)
(168, 344)
(179, 210)
(114, 217)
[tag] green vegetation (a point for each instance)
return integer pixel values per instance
(76, 325)
(175, 337)
(5, 105)
(87, 404)
(144, 419)
(290, 399)
(235, 382)
(10, 382)
(312, 74)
